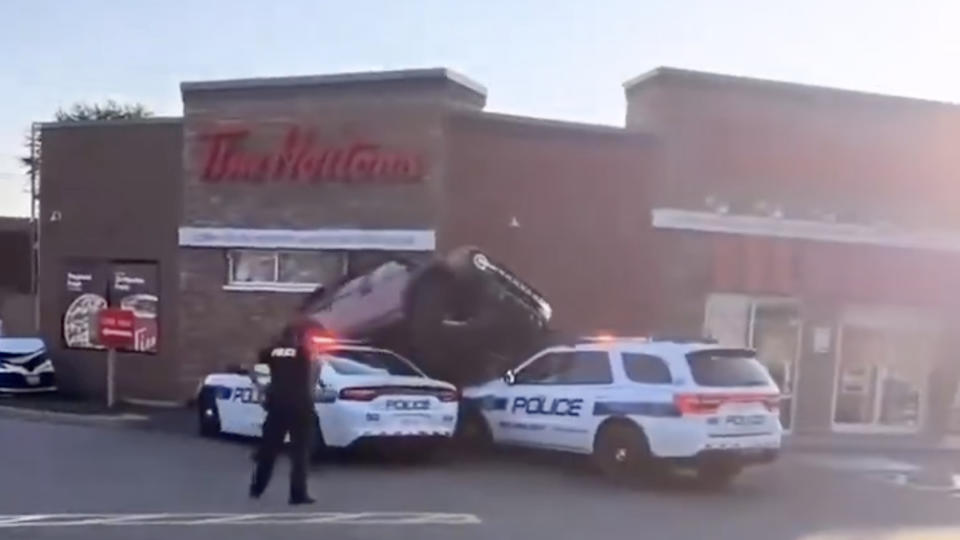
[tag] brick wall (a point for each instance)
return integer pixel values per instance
(805, 148)
(218, 327)
(115, 187)
(579, 196)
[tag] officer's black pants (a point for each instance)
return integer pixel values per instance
(278, 423)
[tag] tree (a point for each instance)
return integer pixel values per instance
(80, 112)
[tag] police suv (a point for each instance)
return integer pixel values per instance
(363, 393)
(637, 405)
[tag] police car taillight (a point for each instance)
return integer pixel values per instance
(359, 394)
(691, 404)
(697, 403)
(448, 395)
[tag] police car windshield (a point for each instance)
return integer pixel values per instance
(727, 367)
(369, 362)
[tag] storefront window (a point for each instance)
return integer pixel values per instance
(285, 267)
(885, 363)
(249, 266)
(310, 266)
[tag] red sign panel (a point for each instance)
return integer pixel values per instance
(117, 328)
(301, 157)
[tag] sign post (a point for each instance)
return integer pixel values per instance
(116, 331)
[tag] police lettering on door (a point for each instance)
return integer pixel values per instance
(541, 405)
(246, 395)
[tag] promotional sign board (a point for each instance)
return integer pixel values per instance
(115, 328)
(93, 285)
(84, 287)
(133, 287)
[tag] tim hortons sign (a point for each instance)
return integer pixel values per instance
(299, 157)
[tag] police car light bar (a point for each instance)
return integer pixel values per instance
(611, 337)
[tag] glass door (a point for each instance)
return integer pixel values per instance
(775, 335)
(771, 326)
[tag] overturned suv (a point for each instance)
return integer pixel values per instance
(463, 315)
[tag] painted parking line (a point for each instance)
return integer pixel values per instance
(214, 519)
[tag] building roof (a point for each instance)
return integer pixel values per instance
(547, 124)
(435, 74)
(121, 122)
(705, 77)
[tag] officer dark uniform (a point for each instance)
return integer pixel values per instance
(289, 403)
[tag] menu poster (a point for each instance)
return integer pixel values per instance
(133, 286)
(84, 296)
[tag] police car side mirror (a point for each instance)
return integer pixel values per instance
(509, 377)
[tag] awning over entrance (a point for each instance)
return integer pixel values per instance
(792, 263)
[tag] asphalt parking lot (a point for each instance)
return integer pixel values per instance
(71, 481)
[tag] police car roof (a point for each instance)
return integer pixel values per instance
(648, 343)
(645, 339)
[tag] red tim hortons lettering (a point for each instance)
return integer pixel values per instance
(299, 158)
(360, 161)
(221, 146)
(287, 162)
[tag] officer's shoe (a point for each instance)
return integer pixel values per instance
(302, 499)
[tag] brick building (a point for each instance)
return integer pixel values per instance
(17, 301)
(766, 214)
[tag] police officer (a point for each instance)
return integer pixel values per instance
(289, 402)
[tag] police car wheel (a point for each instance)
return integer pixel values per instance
(208, 417)
(621, 451)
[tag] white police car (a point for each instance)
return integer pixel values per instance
(633, 403)
(363, 393)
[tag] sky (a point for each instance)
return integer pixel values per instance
(563, 59)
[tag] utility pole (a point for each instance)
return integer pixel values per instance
(34, 227)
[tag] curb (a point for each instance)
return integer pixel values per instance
(70, 418)
(869, 449)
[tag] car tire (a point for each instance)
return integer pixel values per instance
(208, 417)
(717, 475)
(621, 452)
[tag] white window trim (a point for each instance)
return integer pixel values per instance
(309, 239)
(254, 286)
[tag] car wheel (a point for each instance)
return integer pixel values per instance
(208, 417)
(621, 452)
(717, 475)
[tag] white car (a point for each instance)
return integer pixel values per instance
(25, 366)
(633, 402)
(363, 393)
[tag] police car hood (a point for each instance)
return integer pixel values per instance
(391, 380)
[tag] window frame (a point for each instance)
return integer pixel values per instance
(572, 352)
(276, 285)
(671, 380)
